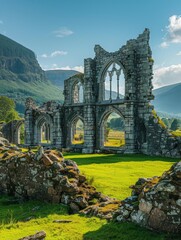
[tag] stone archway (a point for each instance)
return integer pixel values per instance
(20, 133)
(112, 129)
(43, 130)
(77, 131)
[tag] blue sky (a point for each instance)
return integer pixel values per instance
(63, 33)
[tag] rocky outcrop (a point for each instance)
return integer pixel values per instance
(21, 75)
(155, 202)
(46, 175)
(18, 62)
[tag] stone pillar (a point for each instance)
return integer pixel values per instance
(29, 129)
(89, 115)
(130, 136)
(89, 129)
(57, 130)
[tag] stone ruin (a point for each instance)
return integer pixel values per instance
(46, 175)
(86, 100)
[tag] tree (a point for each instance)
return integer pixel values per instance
(7, 109)
(175, 124)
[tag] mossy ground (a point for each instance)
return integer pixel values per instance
(111, 174)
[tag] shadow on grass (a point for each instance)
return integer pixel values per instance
(126, 231)
(12, 211)
(86, 159)
(10, 214)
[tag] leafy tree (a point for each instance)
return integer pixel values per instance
(175, 124)
(7, 109)
(166, 122)
(116, 124)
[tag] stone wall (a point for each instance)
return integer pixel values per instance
(11, 131)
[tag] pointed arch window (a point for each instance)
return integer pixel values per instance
(114, 82)
(77, 132)
(113, 130)
(78, 93)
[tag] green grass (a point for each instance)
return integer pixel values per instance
(177, 133)
(111, 174)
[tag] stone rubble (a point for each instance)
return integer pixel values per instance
(155, 202)
(47, 175)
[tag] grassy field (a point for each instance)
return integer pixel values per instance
(111, 174)
(115, 138)
(177, 133)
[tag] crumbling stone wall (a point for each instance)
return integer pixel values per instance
(11, 131)
(46, 175)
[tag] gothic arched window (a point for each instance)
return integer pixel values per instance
(78, 93)
(114, 82)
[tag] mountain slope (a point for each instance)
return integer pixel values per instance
(57, 77)
(168, 99)
(22, 77)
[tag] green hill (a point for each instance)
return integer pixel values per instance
(22, 77)
(168, 99)
(57, 77)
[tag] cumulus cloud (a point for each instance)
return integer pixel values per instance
(173, 31)
(167, 75)
(58, 53)
(76, 68)
(54, 54)
(44, 55)
(63, 32)
(164, 45)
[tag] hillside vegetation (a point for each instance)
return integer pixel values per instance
(22, 77)
(57, 77)
(168, 99)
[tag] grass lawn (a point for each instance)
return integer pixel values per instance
(111, 174)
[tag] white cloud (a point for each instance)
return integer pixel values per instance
(77, 68)
(167, 75)
(1, 22)
(63, 32)
(164, 45)
(44, 55)
(173, 31)
(179, 53)
(58, 53)
(54, 54)
(55, 67)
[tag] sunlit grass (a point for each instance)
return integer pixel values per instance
(113, 173)
(177, 133)
(115, 138)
